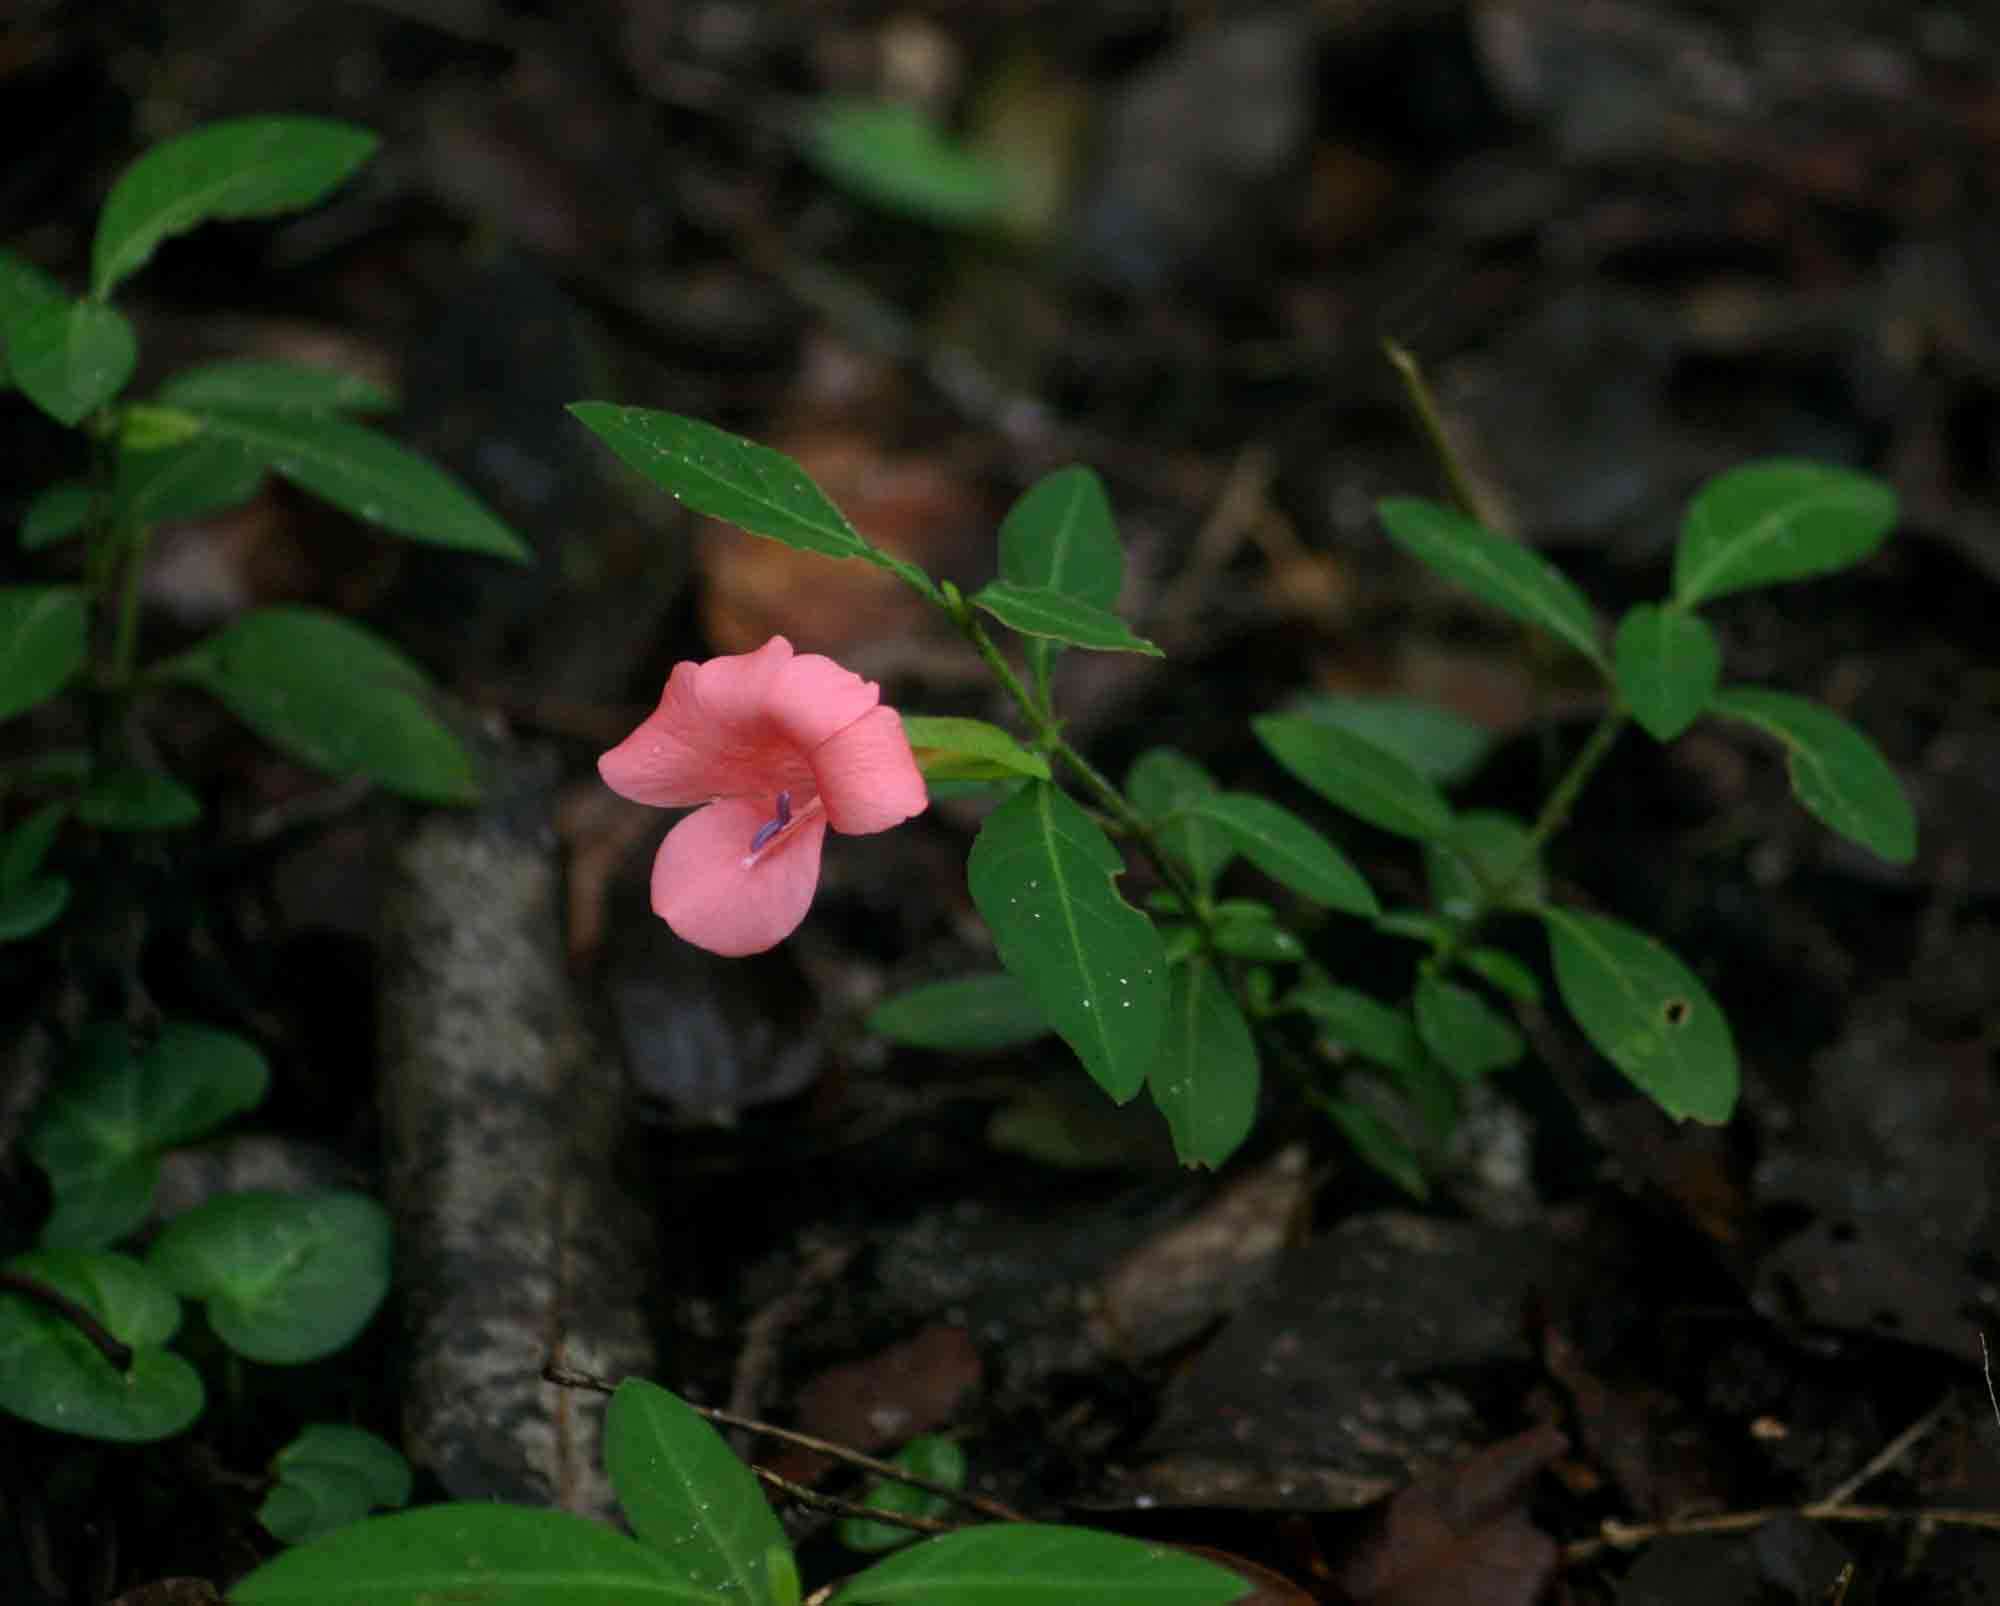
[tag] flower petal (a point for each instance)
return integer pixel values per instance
(713, 735)
(867, 777)
(705, 891)
(813, 698)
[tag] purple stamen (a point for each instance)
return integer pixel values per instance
(771, 828)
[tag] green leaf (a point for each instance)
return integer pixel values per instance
(149, 427)
(189, 481)
(1418, 925)
(471, 1553)
(1769, 522)
(366, 474)
(1055, 616)
(71, 357)
(1061, 535)
(264, 385)
(42, 631)
(967, 1015)
(249, 167)
(1356, 775)
(1668, 668)
(1289, 851)
(889, 153)
(288, 1277)
(1376, 1142)
(1029, 1564)
(1483, 849)
(1162, 784)
(53, 1376)
(1433, 741)
(136, 800)
(329, 1476)
(25, 290)
(32, 907)
(1365, 1025)
(687, 1495)
(1838, 775)
(1042, 874)
(100, 1131)
(1205, 1077)
(1646, 1012)
(25, 848)
(335, 696)
(724, 476)
(1504, 972)
(1500, 572)
(1245, 929)
(930, 1456)
(969, 750)
(59, 512)
(1464, 1032)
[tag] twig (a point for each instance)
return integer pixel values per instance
(835, 1506)
(1886, 1457)
(1630, 1535)
(570, 1377)
(1986, 1363)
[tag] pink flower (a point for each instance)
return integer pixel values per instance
(777, 747)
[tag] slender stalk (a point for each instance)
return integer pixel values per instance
(1424, 404)
(125, 644)
(78, 1315)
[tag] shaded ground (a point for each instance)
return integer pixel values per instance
(1633, 243)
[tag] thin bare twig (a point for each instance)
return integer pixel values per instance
(570, 1377)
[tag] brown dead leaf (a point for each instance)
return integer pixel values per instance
(1461, 1535)
(884, 1399)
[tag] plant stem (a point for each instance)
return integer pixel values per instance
(80, 1316)
(1424, 404)
(125, 644)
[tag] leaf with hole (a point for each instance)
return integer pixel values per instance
(1354, 774)
(1668, 668)
(1043, 875)
(335, 696)
(1646, 1012)
(1500, 572)
(1837, 774)
(244, 168)
(287, 1277)
(55, 1377)
(1205, 1076)
(688, 1495)
(1784, 519)
(966, 1015)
